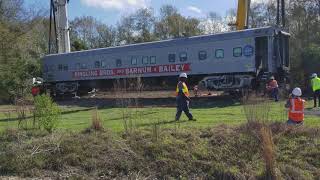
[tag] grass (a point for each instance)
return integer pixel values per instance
(221, 112)
(149, 144)
(220, 152)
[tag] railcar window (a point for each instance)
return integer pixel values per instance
(97, 64)
(172, 57)
(219, 53)
(78, 66)
(145, 60)
(183, 56)
(134, 61)
(153, 60)
(46, 69)
(118, 63)
(202, 55)
(65, 67)
(51, 68)
(103, 64)
(248, 51)
(84, 66)
(60, 67)
(237, 52)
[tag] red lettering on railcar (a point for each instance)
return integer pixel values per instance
(132, 71)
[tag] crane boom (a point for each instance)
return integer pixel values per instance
(243, 14)
(61, 26)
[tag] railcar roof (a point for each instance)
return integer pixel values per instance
(173, 42)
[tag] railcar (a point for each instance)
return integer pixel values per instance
(227, 61)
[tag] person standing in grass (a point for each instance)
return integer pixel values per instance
(296, 107)
(315, 83)
(273, 88)
(182, 98)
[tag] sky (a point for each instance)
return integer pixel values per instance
(111, 11)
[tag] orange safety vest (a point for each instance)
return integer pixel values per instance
(296, 111)
(273, 84)
(181, 85)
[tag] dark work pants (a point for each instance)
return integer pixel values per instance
(183, 105)
(275, 94)
(316, 95)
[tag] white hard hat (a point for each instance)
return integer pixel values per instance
(272, 77)
(314, 75)
(297, 91)
(183, 75)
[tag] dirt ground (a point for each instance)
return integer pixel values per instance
(141, 99)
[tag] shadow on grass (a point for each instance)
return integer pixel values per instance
(63, 113)
(196, 102)
(126, 117)
(162, 123)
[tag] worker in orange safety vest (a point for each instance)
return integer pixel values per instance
(296, 107)
(182, 98)
(273, 88)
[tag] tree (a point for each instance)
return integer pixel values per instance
(230, 18)
(163, 28)
(173, 25)
(107, 35)
(89, 33)
(125, 30)
(137, 27)
(84, 29)
(22, 44)
(304, 28)
(11, 10)
(213, 23)
(144, 24)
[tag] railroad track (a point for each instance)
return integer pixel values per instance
(144, 99)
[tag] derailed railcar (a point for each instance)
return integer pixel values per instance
(228, 61)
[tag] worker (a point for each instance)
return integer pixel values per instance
(182, 98)
(35, 90)
(315, 83)
(273, 88)
(196, 91)
(296, 107)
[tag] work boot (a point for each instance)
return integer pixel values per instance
(193, 119)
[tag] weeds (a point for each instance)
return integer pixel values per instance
(96, 122)
(128, 92)
(22, 111)
(122, 101)
(257, 111)
(47, 113)
(215, 153)
(268, 152)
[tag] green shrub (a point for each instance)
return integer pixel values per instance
(47, 113)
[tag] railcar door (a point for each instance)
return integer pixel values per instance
(261, 59)
(283, 39)
(281, 54)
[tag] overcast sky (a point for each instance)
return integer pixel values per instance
(110, 11)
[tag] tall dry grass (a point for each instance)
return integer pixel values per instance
(22, 109)
(128, 92)
(268, 152)
(257, 111)
(96, 121)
